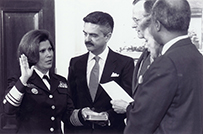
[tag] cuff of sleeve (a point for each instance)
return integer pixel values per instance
(80, 116)
(14, 96)
(75, 118)
(129, 107)
(19, 85)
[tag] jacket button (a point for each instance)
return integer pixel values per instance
(51, 96)
(52, 118)
(53, 107)
(51, 129)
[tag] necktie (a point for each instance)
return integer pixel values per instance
(94, 78)
(48, 81)
(47, 78)
(145, 64)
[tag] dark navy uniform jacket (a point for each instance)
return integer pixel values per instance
(38, 109)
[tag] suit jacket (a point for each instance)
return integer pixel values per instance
(41, 109)
(77, 80)
(141, 60)
(169, 101)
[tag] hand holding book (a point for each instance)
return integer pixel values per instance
(91, 115)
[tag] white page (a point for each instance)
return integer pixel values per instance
(116, 92)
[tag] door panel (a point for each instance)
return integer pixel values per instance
(21, 19)
(18, 17)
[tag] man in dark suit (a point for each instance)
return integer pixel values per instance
(91, 99)
(141, 21)
(141, 15)
(169, 99)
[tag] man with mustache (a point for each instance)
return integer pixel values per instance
(88, 96)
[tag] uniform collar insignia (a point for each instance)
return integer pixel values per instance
(62, 84)
(34, 91)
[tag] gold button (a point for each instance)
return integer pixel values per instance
(52, 118)
(4, 101)
(51, 96)
(53, 107)
(51, 129)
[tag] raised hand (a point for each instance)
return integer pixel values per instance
(26, 71)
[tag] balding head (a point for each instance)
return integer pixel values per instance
(174, 15)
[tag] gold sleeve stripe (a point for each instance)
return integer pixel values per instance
(14, 97)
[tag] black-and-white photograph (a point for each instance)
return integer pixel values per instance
(101, 66)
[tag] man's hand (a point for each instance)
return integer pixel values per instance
(26, 72)
(119, 106)
(103, 123)
(88, 112)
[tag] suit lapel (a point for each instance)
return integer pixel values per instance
(81, 67)
(136, 69)
(144, 57)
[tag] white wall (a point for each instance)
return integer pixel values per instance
(69, 27)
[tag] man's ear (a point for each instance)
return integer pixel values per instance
(108, 36)
(158, 25)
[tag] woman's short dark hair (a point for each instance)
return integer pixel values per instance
(29, 44)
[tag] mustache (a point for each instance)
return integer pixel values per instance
(89, 43)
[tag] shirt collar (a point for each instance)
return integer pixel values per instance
(171, 42)
(40, 73)
(102, 56)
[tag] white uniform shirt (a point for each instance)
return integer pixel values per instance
(41, 76)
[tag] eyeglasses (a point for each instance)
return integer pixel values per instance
(136, 20)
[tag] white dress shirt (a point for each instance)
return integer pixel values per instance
(171, 42)
(41, 76)
(91, 62)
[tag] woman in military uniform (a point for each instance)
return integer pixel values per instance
(39, 98)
